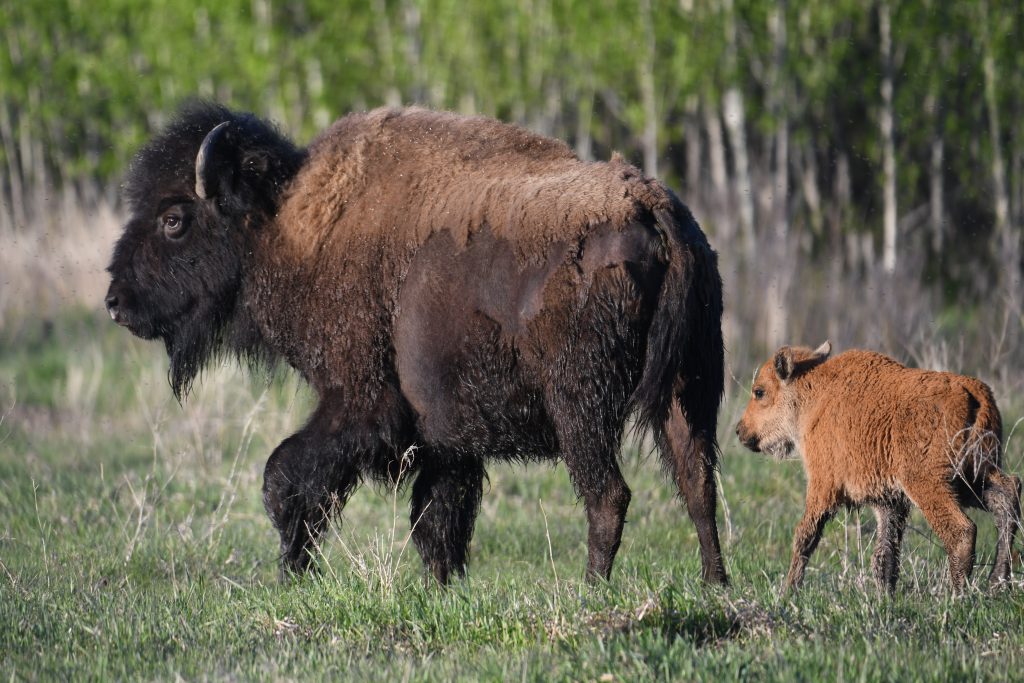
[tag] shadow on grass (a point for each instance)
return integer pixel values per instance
(702, 628)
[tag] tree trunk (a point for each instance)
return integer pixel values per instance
(716, 159)
(17, 191)
(1002, 203)
(735, 121)
(695, 188)
(780, 194)
(887, 126)
(777, 312)
(386, 53)
(841, 200)
(809, 184)
(647, 94)
(936, 200)
(414, 50)
(584, 119)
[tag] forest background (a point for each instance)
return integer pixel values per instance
(858, 165)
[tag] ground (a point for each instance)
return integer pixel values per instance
(133, 545)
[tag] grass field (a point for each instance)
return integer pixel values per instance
(133, 545)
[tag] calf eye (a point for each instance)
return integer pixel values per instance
(758, 393)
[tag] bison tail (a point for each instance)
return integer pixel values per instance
(685, 354)
(986, 430)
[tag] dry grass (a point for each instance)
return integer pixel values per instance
(56, 262)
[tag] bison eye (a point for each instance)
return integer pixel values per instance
(758, 393)
(173, 224)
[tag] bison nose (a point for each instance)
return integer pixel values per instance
(111, 302)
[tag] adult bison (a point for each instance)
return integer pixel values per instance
(453, 283)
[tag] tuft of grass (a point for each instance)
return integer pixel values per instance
(133, 545)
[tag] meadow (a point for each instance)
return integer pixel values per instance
(858, 165)
(133, 545)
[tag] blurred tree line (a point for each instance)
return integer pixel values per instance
(869, 137)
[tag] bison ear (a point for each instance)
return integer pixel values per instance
(784, 364)
(822, 353)
(215, 162)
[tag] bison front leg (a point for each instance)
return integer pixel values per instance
(805, 539)
(689, 454)
(305, 480)
(885, 562)
(445, 502)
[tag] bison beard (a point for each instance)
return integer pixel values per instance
(455, 284)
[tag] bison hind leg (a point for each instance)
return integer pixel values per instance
(885, 562)
(941, 509)
(689, 456)
(445, 501)
(1002, 498)
(304, 482)
(588, 440)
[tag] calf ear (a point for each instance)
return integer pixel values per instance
(823, 352)
(784, 364)
(216, 162)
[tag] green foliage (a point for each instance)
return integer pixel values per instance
(82, 84)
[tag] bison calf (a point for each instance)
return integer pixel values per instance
(874, 432)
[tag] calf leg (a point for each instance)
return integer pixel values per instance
(817, 511)
(885, 562)
(690, 456)
(305, 480)
(1002, 498)
(955, 529)
(445, 501)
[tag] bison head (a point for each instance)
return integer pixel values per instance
(769, 422)
(197, 195)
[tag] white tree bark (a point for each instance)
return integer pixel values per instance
(584, 118)
(780, 189)
(647, 94)
(887, 129)
(735, 122)
(734, 112)
(17, 198)
(695, 187)
(716, 160)
(1002, 201)
(780, 278)
(936, 200)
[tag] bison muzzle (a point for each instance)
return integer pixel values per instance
(455, 284)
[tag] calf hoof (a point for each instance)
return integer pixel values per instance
(998, 583)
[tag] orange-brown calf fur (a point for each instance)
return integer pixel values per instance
(873, 432)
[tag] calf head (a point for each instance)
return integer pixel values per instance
(197, 194)
(769, 422)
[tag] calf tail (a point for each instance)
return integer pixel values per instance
(986, 430)
(685, 355)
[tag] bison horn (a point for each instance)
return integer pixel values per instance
(211, 139)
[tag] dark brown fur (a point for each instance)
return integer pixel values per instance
(453, 283)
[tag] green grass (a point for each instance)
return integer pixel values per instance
(134, 546)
